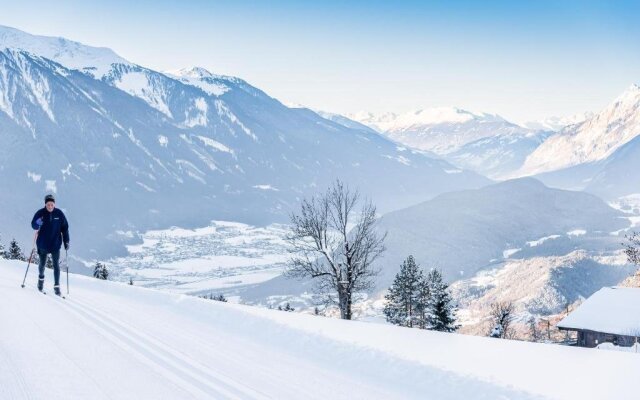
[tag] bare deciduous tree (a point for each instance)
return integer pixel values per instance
(632, 248)
(502, 317)
(336, 244)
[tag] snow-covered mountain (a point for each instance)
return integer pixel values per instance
(344, 121)
(498, 156)
(482, 142)
(591, 141)
(464, 232)
(95, 61)
(441, 130)
(139, 149)
(555, 124)
(539, 287)
(114, 341)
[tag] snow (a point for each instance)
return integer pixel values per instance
(266, 187)
(557, 123)
(51, 186)
(577, 232)
(612, 347)
(429, 116)
(33, 176)
(614, 310)
(215, 144)
(137, 84)
(200, 78)
(593, 140)
(224, 111)
(535, 243)
(145, 187)
(93, 60)
(509, 252)
(119, 341)
(221, 255)
(163, 140)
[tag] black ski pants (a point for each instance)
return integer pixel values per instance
(55, 257)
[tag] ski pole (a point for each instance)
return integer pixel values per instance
(33, 248)
(66, 261)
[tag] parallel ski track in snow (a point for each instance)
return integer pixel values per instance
(10, 392)
(183, 371)
(277, 379)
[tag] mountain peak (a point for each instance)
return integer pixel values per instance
(443, 115)
(73, 55)
(593, 140)
(631, 95)
(192, 72)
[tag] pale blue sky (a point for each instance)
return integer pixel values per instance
(521, 60)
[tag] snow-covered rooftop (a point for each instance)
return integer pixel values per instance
(614, 310)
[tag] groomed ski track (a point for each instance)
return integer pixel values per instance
(113, 341)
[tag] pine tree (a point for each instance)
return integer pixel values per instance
(424, 304)
(15, 252)
(131, 281)
(100, 271)
(443, 310)
(402, 307)
(2, 254)
(289, 308)
(221, 298)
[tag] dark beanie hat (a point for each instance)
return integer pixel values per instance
(49, 198)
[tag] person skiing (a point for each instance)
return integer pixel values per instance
(53, 231)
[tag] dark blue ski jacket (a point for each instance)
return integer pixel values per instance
(54, 229)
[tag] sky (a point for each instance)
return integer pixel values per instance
(522, 60)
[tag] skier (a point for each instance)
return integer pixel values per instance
(53, 231)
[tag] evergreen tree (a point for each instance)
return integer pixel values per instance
(443, 310)
(288, 308)
(131, 281)
(424, 304)
(221, 298)
(2, 254)
(402, 307)
(100, 271)
(15, 252)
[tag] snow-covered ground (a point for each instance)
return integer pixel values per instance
(219, 257)
(108, 340)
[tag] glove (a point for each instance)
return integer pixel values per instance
(39, 222)
(66, 246)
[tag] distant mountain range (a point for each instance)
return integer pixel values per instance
(128, 148)
(589, 151)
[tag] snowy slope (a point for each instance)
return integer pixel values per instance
(463, 232)
(556, 124)
(95, 61)
(440, 130)
(539, 286)
(497, 157)
(113, 341)
(593, 140)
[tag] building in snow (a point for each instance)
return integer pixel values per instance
(611, 315)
